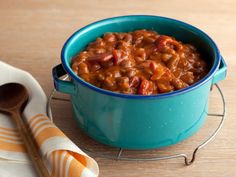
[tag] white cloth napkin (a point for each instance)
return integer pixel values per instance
(61, 156)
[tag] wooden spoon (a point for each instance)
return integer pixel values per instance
(13, 98)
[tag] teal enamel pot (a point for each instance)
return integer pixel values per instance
(135, 121)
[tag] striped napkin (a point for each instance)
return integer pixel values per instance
(61, 156)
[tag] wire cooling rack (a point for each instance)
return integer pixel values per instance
(119, 155)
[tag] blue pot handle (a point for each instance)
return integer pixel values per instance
(221, 72)
(62, 85)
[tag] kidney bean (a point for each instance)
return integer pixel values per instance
(94, 66)
(168, 75)
(165, 42)
(130, 72)
(123, 83)
(188, 77)
(173, 63)
(83, 55)
(74, 66)
(177, 73)
(140, 52)
(145, 64)
(145, 88)
(113, 72)
(134, 81)
(153, 66)
(110, 48)
(166, 57)
(109, 82)
(100, 77)
(179, 84)
(100, 57)
(183, 63)
(116, 73)
(138, 59)
(100, 50)
(150, 51)
(137, 39)
(108, 74)
(83, 68)
(158, 73)
(120, 36)
(86, 77)
(109, 37)
(124, 46)
(164, 86)
(148, 40)
(117, 56)
(98, 43)
(197, 64)
(128, 38)
(126, 64)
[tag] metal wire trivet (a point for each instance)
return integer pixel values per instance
(118, 156)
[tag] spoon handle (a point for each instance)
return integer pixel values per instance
(30, 145)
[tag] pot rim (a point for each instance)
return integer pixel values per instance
(163, 95)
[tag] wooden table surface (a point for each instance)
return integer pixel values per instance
(32, 34)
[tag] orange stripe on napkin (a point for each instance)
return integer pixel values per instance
(9, 129)
(64, 164)
(9, 133)
(32, 118)
(16, 138)
(79, 157)
(32, 125)
(47, 133)
(75, 168)
(7, 146)
(41, 125)
(53, 164)
(10, 140)
(58, 162)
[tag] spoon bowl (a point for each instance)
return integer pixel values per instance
(13, 96)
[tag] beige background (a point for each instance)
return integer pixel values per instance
(33, 32)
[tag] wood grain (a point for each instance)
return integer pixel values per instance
(33, 32)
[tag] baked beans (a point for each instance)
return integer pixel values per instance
(141, 62)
